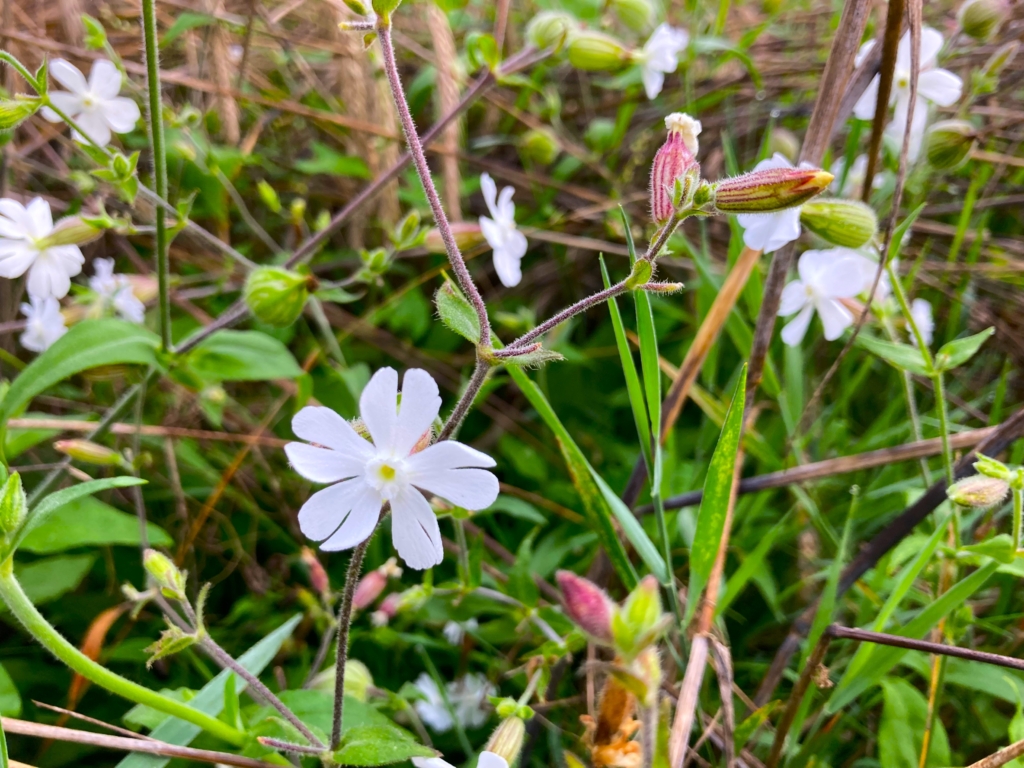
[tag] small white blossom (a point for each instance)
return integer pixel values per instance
(825, 277)
(93, 104)
(455, 632)
(660, 56)
(934, 85)
(44, 323)
(365, 475)
(115, 291)
(23, 248)
(467, 695)
(868, 269)
(486, 760)
(853, 184)
(507, 242)
(770, 231)
(921, 311)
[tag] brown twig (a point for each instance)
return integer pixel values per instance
(795, 697)
(896, 641)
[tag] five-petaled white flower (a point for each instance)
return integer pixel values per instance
(93, 104)
(825, 277)
(660, 56)
(115, 291)
(366, 475)
(23, 247)
(935, 85)
(486, 760)
(467, 695)
(44, 323)
(921, 311)
(508, 243)
(770, 231)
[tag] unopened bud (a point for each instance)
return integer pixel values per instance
(981, 19)
(785, 142)
(165, 573)
(769, 190)
(949, 142)
(72, 230)
(13, 506)
(638, 15)
(16, 110)
(849, 223)
(368, 589)
(587, 605)
(979, 492)
(636, 625)
(467, 235)
(999, 60)
(385, 7)
(539, 145)
(665, 288)
(318, 577)
(357, 7)
(276, 296)
(89, 452)
(387, 610)
(675, 160)
(549, 29)
(993, 468)
(358, 679)
(594, 51)
(507, 740)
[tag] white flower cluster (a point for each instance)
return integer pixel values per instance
(467, 696)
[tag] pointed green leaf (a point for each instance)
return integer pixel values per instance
(902, 356)
(371, 745)
(456, 312)
(959, 351)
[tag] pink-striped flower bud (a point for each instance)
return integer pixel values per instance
(587, 605)
(368, 589)
(675, 160)
(467, 235)
(318, 578)
(770, 190)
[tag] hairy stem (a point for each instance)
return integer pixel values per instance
(580, 306)
(355, 565)
(451, 427)
(1018, 514)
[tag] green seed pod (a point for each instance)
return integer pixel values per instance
(15, 111)
(507, 739)
(770, 190)
(978, 492)
(539, 145)
(998, 61)
(549, 29)
(89, 452)
(165, 573)
(276, 296)
(981, 19)
(638, 15)
(849, 223)
(596, 52)
(948, 143)
(13, 506)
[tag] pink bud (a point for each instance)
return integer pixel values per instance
(673, 160)
(317, 575)
(770, 190)
(368, 589)
(387, 610)
(588, 605)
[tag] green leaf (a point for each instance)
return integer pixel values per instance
(900, 733)
(211, 698)
(635, 532)
(89, 522)
(534, 359)
(370, 745)
(516, 507)
(54, 501)
(183, 23)
(334, 163)
(902, 356)
(88, 344)
(599, 515)
(456, 312)
(10, 699)
(718, 489)
(50, 578)
(749, 565)
(243, 356)
(4, 762)
(959, 351)
(999, 547)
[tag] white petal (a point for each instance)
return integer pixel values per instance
(777, 160)
(493, 232)
(378, 408)
(40, 218)
(921, 311)
(430, 762)
(940, 86)
(326, 510)
(835, 317)
(121, 114)
(359, 524)
(323, 426)
(491, 760)
(508, 267)
(15, 258)
(68, 75)
(46, 277)
(94, 126)
(506, 208)
(104, 80)
(449, 454)
(68, 103)
(841, 279)
(129, 306)
(654, 80)
(414, 530)
(793, 299)
(420, 405)
(864, 109)
(862, 54)
(903, 53)
(490, 190)
(472, 489)
(796, 328)
(771, 231)
(931, 44)
(322, 465)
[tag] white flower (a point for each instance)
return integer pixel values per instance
(486, 760)
(365, 475)
(770, 231)
(868, 269)
(115, 291)
(508, 243)
(660, 56)
(824, 278)
(44, 323)
(23, 248)
(467, 696)
(921, 311)
(853, 184)
(455, 632)
(94, 104)
(934, 85)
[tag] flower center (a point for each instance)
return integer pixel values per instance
(386, 474)
(88, 102)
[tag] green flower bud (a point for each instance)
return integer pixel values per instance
(358, 679)
(997, 61)
(949, 142)
(269, 196)
(72, 230)
(640, 620)
(17, 110)
(165, 573)
(467, 235)
(539, 145)
(978, 492)
(13, 506)
(89, 452)
(770, 190)
(600, 134)
(357, 7)
(993, 468)
(638, 15)
(981, 19)
(549, 29)
(276, 296)
(385, 7)
(848, 223)
(507, 740)
(595, 52)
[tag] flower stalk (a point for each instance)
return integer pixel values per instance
(355, 565)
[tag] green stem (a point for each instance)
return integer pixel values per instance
(1018, 514)
(47, 636)
(156, 138)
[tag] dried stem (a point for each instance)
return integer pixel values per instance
(687, 704)
(797, 696)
